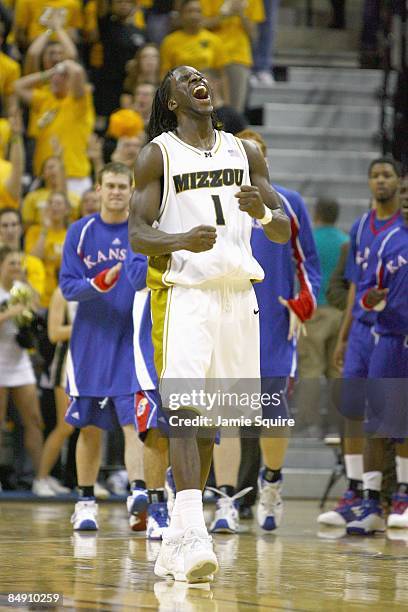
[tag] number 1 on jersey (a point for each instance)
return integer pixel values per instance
(219, 215)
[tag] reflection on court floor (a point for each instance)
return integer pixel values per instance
(300, 568)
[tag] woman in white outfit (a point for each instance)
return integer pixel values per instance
(16, 371)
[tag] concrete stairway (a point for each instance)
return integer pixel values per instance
(308, 466)
(299, 45)
(321, 127)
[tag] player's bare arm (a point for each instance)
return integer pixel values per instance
(255, 199)
(144, 211)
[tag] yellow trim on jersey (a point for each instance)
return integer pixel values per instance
(217, 132)
(199, 152)
(160, 309)
(158, 267)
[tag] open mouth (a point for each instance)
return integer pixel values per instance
(200, 92)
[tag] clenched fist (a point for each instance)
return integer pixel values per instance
(250, 201)
(199, 239)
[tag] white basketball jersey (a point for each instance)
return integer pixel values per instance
(199, 189)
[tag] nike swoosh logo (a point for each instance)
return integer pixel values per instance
(256, 311)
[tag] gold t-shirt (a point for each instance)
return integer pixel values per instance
(203, 50)
(6, 199)
(71, 120)
(9, 72)
(237, 44)
(28, 13)
(35, 201)
(52, 257)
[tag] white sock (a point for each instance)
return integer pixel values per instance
(176, 526)
(372, 481)
(190, 506)
(354, 466)
(402, 469)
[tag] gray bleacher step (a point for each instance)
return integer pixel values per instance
(367, 79)
(318, 138)
(321, 458)
(324, 162)
(316, 39)
(310, 93)
(334, 116)
(306, 58)
(324, 185)
(363, 79)
(309, 484)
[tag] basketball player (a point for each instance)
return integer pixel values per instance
(386, 291)
(356, 330)
(197, 190)
(101, 379)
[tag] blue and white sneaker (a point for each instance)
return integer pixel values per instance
(170, 488)
(269, 509)
(369, 519)
(343, 513)
(137, 509)
(157, 521)
(226, 518)
(84, 517)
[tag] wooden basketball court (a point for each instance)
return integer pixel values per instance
(298, 569)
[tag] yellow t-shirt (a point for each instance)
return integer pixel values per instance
(35, 273)
(71, 120)
(9, 72)
(203, 50)
(35, 201)
(6, 199)
(28, 13)
(5, 133)
(52, 257)
(236, 42)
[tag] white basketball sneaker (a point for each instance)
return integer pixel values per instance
(170, 561)
(226, 514)
(270, 506)
(42, 488)
(84, 517)
(200, 561)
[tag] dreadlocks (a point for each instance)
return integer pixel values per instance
(161, 118)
